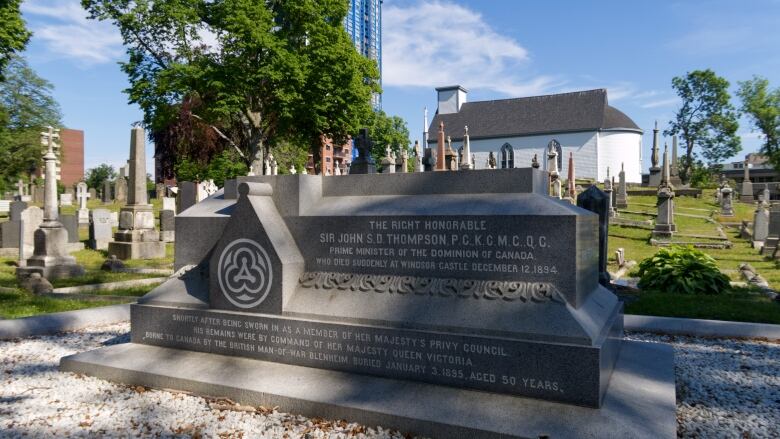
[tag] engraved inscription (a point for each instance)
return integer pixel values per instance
(493, 364)
(506, 290)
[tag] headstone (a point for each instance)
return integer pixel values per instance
(608, 192)
(159, 190)
(99, 229)
(206, 189)
(82, 193)
(92, 194)
(530, 308)
(364, 163)
(726, 205)
(598, 202)
(15, 210)
(169, 203)
(664, 222)
(38, 194)
(137, 237)
(50, 257)
(71, 224)
(187, 196)
(746, 195)
(107, 193)
(467, 164)
(552, 168)
(10, 234)
(114, 219)
(120, 190)
(760, 224)
(388, 162)
(620, 257)
(441, 151)
(766, 193)
(66, 199)
(655, 170)
(621, 199)
(773, 236)
(167, 225)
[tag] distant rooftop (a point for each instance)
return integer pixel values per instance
(557, 113)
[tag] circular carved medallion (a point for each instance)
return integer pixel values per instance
(245, 273)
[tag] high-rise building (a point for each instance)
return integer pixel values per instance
(69, 147)
(364, 24)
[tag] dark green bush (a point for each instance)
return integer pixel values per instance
(682, 270)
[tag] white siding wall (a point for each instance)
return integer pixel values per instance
(583, 145)
(617, 147)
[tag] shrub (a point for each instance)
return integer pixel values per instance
(682, 270)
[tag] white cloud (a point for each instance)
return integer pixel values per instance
(64, 29)
(436, 43)
(661, 103)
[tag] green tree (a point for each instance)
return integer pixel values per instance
(223, 166)
(26, 109)
(97, 175)
(762, 106)
(706, 120)
(13, 33)
(261, 72)
(288, 154)
(387, 131)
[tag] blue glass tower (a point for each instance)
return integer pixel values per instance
(364, 24)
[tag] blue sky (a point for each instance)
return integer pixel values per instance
(495, 48)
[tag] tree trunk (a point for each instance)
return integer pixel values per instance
(685, 172)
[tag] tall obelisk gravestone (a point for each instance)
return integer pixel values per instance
(746, 195)
(664, 222)
(50, 257)
(655, 170)
(137, 238)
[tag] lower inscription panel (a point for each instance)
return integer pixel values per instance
(555, 372)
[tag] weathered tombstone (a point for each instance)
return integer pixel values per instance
(114, 219)
(418, 164)
(597, 201)
(38, 194)
(169, 203)
(388, 162)
(187, 196)
(159, 190)
(363, 163)
(106, 196)
(760, 224)
(66, 199)
(92, 194)
(15, 210)
(167, 225)
(664, 221)
(621, 199)
(31, 219)
(773, 235)
(746, 195)
(766, 193)
(82, 194)
(99, 229)
(71, 224)
(120, 190)
(137, 237)
(655, 170)
(726, 206)
(50, 257)
(291, 258)
(608, 192)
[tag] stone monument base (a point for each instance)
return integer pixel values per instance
(137, 249)
(98, 244)
(664, 231)
(655, 177)
(50, 259)
(168, 236)
(639, 403)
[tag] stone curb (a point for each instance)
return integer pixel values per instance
(63, 321)
(109, 285)
(700, 328)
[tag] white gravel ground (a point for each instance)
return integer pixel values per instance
(725, 388)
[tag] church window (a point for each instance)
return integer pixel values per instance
(507, 156)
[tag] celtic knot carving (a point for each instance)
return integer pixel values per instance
(245, 273)
(463, 288)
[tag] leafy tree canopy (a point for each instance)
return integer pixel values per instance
(13, 33)
(706, 120)
(224, 166)
(387, 131)
(241, 74)
(26, 109)
(762, 106)
(97, 175)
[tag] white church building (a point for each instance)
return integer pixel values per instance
(583, 122)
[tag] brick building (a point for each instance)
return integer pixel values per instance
(70, 166)
(331, 156)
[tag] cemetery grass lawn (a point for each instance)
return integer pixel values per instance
(19, 303)
(737, 306)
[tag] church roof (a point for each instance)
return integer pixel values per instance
(558, 113)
